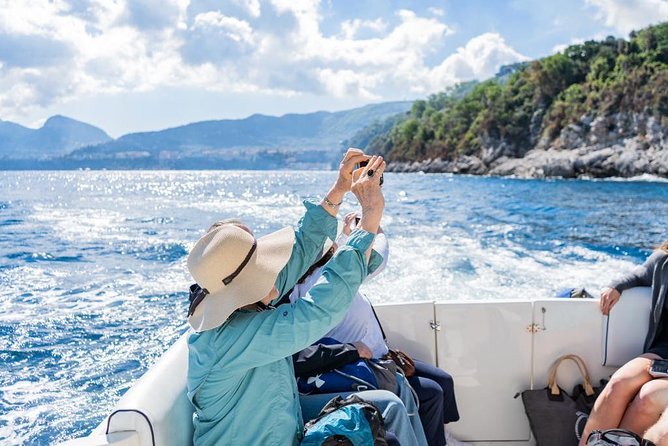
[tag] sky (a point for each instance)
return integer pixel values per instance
(139, 65)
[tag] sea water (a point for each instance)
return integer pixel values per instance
(93, 274)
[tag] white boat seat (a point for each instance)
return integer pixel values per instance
(157, 406)
(624, 330)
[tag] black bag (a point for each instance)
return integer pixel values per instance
(551, 411)
(385, 372)
(616, 437)
(585, 403)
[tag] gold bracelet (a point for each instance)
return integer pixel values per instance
(328, 202)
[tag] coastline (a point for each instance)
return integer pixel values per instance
(630, 158)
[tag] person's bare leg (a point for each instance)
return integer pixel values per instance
(646, 407)
(610, 406)
(658, 434)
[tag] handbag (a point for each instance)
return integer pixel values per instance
(585, 403)
(403, 361)
(385, 372)
(552, 412)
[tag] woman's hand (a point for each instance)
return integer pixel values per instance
(366, 187)
(344, 181)
(349, 222)
(353, 156)
(364, 351)
(609, 297)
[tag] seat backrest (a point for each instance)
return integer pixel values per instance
(157, 406)
(624, 330)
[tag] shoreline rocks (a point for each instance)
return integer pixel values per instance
(620, 145)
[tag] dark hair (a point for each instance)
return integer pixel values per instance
(324, 259)
(321, 261)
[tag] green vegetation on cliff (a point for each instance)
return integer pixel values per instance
(532, 107)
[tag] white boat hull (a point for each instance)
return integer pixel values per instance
(493, 349)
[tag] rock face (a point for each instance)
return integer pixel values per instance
(619, 145)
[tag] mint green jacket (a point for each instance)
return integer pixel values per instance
(240, 375)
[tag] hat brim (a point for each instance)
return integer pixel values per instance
(253, 283)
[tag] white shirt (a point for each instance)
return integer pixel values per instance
(359, 323)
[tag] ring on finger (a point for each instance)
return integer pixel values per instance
(370, 172)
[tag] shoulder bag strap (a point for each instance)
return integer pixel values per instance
(377, 320)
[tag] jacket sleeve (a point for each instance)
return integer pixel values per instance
(319, 358)
(379, 255)
(252, 339)
(640, 276)
(312, 230)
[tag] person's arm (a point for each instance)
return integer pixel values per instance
(313, 229)
(249, 340)
(640, 276)
(317, 225)
(254, 339)
(320, 358)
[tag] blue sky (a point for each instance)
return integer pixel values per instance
(134, 65)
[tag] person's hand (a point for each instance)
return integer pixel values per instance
(334, 197)
(366, 187)
(349, 222)
(353, 156)
(609, 297)
(364, 351)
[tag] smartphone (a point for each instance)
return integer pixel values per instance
(364, 163)
(659, 368)
(360, 165)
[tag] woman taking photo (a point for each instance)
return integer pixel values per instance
(240, 376)
(633, 399)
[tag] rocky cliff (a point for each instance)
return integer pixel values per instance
(597, 109)
(621, 145)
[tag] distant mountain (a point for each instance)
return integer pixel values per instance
(297, 141)
(223, 139)
(58, 136)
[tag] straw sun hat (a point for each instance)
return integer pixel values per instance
(235, 269)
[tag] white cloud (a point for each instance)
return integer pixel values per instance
(562, 46)
(251, 6)
(278, 47)
(235, 29)
(628, 15)
(344, 83)
(350, 28)
(480, 58)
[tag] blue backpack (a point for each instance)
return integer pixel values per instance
(346, 422)
(353, 377)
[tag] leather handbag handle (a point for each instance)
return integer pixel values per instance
(552, 377)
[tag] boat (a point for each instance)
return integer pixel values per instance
(494, 349)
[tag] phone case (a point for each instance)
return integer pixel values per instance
(659, 368)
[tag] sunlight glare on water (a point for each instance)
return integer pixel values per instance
(93, 277)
